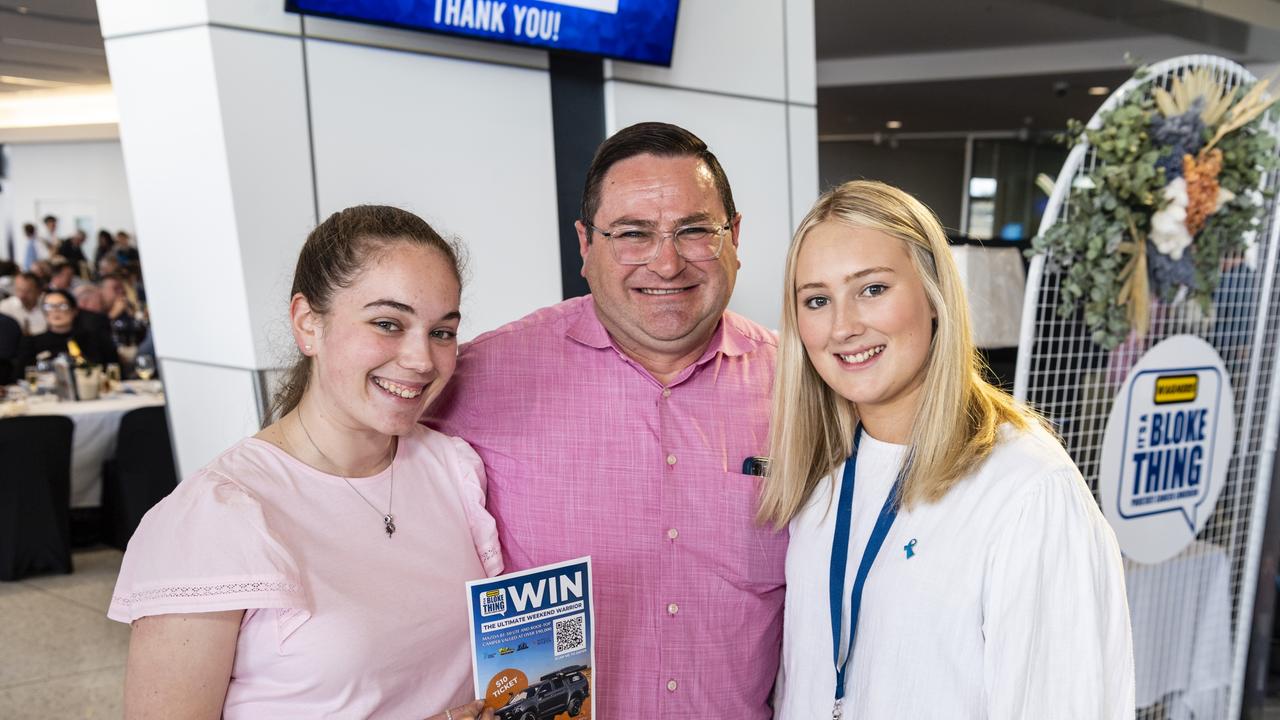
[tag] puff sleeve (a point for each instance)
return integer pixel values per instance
(471, 488)
(207, 548)
(1055, 616)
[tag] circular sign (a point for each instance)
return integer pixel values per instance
(1169, 440)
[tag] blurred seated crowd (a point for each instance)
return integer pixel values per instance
(54, 291)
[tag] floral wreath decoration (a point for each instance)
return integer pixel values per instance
(1172, 193)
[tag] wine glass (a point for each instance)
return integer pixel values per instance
(46, 376)
(145, 366)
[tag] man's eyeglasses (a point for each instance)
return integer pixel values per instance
(640, 246)
(50, 307)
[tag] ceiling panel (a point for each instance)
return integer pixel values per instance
(1040, 102)
(861, 28)
(56, 42)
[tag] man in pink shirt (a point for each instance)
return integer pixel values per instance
(616, 425)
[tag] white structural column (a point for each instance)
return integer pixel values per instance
(464, 144)
(242, 126)
(214, 133)
(742, 79)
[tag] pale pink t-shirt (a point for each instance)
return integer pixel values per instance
(341, 620)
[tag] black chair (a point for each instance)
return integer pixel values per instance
(141, 474)
(35, 496)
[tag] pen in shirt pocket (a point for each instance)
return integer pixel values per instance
(757, 465)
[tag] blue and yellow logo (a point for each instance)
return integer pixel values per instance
(1176, 389)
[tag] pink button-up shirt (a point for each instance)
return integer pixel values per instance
(588, 454)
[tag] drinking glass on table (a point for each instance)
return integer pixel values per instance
(46, 377)
(112, 381)
(145, 366)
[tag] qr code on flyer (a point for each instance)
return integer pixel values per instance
(570, 634)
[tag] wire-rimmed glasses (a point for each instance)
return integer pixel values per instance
(638, 245)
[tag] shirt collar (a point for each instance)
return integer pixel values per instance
(587, 329)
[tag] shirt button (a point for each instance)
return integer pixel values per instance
(671, 459)
(672, 534)
(672, 609)
(666, 392)
(671, 685)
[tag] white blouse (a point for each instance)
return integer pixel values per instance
(1010, 602)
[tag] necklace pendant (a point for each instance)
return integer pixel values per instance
(836, 710)
(389, 524)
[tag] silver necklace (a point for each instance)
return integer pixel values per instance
(388, 520)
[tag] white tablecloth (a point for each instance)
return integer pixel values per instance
(1181, 613)
(94, 439)
(994, 282)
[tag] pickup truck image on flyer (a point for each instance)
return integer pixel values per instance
(562, 691)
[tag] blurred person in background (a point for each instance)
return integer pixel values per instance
(72, 250)
(89, 297)
(133, 272)
(64, 275)
(10, 346)
(119, 297)
(121, 307)
(23, 305)
(43, 269)
(103, 247)
(125, 252)
(116, 296)
(8, 273)
(90, 317)
(125, 333)
(32, 248)
(50, 235)
(60, 315)
(107, 265)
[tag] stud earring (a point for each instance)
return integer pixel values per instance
(306, 348)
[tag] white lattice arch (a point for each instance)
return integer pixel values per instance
(1071, 380)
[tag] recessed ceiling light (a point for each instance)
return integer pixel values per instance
(893, 124)
(31, 82)
(23, 9)
(1099, 90)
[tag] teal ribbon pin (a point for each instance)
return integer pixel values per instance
(910, 548)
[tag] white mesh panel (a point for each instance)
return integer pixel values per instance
(1197, 606)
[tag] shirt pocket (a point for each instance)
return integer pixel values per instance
(752, 554)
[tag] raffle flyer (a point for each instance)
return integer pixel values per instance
(533, 641)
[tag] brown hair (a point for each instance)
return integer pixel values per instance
(333, 256)
(651, 138)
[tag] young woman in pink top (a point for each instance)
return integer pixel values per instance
(317, 569)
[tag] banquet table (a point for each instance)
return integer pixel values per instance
(94, 440)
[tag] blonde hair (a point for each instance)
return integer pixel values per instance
(956, 425)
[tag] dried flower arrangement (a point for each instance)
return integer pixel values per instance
(1172, 191)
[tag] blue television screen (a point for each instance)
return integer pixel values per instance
(638, 30)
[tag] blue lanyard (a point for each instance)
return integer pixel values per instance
(840, 557)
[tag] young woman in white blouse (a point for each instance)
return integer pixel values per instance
(946, 557)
